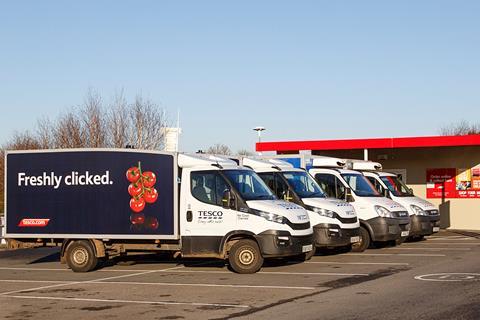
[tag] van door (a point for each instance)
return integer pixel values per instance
(207, 221)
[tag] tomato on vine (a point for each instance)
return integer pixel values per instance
(135, 189)
(137, 204)
(133, 174)
(150, 195)
(149, 179)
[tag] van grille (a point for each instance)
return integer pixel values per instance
(298, 226)
(346, 220)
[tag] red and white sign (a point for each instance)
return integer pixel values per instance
(41, 223)
(453, 183)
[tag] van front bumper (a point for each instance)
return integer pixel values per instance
(388, 229)
(275, 243)
(424, 225)
(331, 235)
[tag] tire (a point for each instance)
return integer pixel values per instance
(400, 241)
(245, 257)
(364, 241)
(80, 256)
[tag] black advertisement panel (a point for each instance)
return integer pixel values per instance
(90, 193)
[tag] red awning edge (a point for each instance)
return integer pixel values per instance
(374, 143)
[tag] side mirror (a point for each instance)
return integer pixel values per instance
(348, 195)
(386, 193)
(228, 200)
(287, 196)
(411, 190)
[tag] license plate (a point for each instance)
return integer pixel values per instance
(307, 248)
(354, 239)
(436, 229)
(405, 233)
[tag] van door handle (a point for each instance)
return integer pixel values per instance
(189, 216)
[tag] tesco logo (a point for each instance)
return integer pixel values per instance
(34, 223)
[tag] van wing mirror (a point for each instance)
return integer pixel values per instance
(411, 190)
(348, 195)
(386, 193)
(228, 200)
(287, 195)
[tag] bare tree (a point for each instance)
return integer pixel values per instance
(244, 152)
(460, 128)
(95, 125)
(219, 148)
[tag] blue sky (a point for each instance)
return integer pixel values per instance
(302, 69)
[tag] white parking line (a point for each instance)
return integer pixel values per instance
(360, 263)
(431, 249)
(396, 254)
(87, 281)
(131, 301)
(276, 273)
(455, 239)
(475, 244)
(164, 284)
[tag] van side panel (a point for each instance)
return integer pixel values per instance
(84, 193)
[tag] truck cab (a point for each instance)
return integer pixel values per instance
(228, 211)
(424, 216)
(334, 221)
(381, 219)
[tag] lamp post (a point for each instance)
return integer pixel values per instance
(259, 132)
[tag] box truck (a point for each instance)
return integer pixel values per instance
(424, 216)
(101, 203)
(334, 221)
(381, 219)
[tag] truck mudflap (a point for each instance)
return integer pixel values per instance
(275, 243)
(332, 235)
(424, 225)
(388, 229)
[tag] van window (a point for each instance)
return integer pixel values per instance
(376, 184)
(275, 183)
(360, 185)
(332, 186)
(248, 184)
(208, 187)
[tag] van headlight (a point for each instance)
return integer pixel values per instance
(418, 211)
(324, 212)
(270, 216)
(383, 212)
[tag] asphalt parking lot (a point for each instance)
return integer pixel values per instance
(438, 278)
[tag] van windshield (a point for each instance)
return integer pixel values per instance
(249, 185)
(360, 185)
(397, 186)
(304, 185)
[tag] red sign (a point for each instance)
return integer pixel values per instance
(453, 183)
(34, 223)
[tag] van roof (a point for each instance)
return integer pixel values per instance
(196, 160)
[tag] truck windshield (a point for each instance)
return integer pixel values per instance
(397, 186)
(304, 185)
(360, 185)
(249, 185)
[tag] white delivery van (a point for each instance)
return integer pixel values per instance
(381, 219)
(424, 216)
(334, 221)
(101, 203)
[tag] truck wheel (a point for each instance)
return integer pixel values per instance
(245, 257)
(364, 242)
(81, 257)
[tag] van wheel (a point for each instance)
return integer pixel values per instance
(81, 257)
(245, 257)
(400, 241)
(364, 242)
